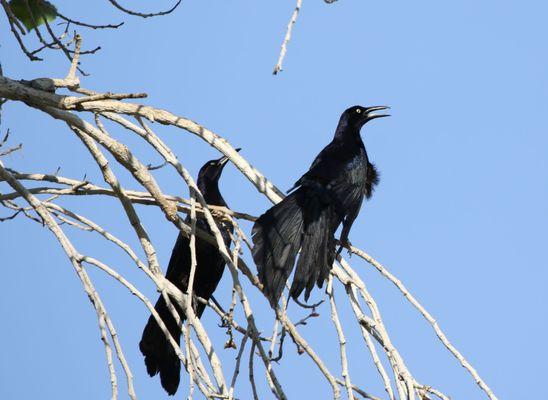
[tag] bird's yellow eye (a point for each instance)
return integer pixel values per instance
(358, 110)
(212, 163)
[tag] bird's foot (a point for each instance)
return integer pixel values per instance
(346, 245)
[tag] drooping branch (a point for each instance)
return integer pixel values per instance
(427, 316)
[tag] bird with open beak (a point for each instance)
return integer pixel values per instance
(330, 193)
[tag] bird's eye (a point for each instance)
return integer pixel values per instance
(358, 110)
(211, 163)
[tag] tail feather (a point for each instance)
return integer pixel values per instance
(303, 220)
(317, 250)
(329, 255)
(315, 230)
(277, 238)
(159, 354)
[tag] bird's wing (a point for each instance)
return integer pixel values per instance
(325, 168)
(178, 268)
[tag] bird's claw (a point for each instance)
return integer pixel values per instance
(346, 245)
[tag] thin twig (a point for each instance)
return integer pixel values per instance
(92, 26)
(287, 37)
(342, 340)
(237, 366)
(11, 150)
(252, 373)
(144, 15)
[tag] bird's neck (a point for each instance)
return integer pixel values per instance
(211, 193)
(347, 133)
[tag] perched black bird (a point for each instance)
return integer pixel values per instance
(159, 355)
(330, 192)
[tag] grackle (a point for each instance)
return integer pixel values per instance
(330, 192)
(159, 354)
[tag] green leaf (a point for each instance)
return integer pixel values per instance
(40, 11)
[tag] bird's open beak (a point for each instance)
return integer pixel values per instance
(370, 110)
(223, 160)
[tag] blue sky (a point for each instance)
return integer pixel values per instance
(460, 215)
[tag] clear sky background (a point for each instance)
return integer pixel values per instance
(460, 215)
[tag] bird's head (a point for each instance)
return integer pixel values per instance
(208, 180)
(211, 170)
(357, 116)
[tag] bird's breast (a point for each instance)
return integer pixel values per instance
(356, 170)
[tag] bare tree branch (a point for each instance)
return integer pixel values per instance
(287, 38)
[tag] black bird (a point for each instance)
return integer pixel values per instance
(159, 354)
(330, 192)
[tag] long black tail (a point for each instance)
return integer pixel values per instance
(303, 220)
(159, 354)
